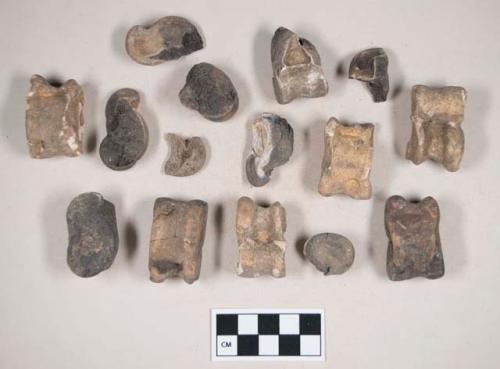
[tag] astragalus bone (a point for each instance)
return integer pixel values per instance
(296, 67)
(187, 155)
(370, 66)
(260, 238)
(347, 160)
(54, 118)
(272, 146)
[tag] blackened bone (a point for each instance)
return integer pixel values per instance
(370, 66)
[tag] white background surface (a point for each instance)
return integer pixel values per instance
(49, 318)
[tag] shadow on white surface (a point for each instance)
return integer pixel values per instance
(477, 107)
(452, 231)
(93, 115)
(313, 145)
(118, 38)
(377, 245)
(262, 66)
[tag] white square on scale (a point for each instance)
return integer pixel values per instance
(248, 324)
(269, 345)
(310, 345)
(289, 324)
(227, 345)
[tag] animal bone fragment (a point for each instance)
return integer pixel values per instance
(187, 156)
(370, 66)
(330, 253)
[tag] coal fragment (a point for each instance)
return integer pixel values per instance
(187, 155)
(414, 248)
(127, 133)
(209, 91)
(177, 236)
(370, 66)
(169, 38)
(296, 67)
(54, 118)
(93, 236)
(437, 116)
(330, 253)
(261, 243)
(272, 146)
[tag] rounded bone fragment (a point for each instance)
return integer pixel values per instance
(169, 38)
(272, 146)
(93, 235)
(330, 253)
(54, 118)
(187, 156)
(209, 91)
(296, 66)
(370, 66)
(127, 133)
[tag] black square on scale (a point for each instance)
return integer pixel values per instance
(248, 345)
(310, 324)
(227, 324)
(269, 324)
(289, 345)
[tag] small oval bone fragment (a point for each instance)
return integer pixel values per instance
(370, 66)
(330, 253)
(169, 38)
(93, 235)
(127, 137)
(272, 146)
(54, 118)
(187, 156)
(209, 91)
(296, 66)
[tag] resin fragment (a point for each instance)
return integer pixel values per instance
(347, 160)
(187, 156)
(414, 248)
(260, 238)
(177, 236)
(330, 253)
(54, 118)
(272, 146)
(127, 137)
(296, 67)
(437, 116)
(209, 91)
(93, 236)
(370, 66)
(169, 38)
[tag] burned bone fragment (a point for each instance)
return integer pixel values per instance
(169, 38)
(370, 66)
(177, 236)
(187, 156)
(54, 118)
(330, 253)
(437, 116)
(93, 235)
(209, 91)
(272, 146)
(260, 238)
(127, 133)
(347, 160)
(414, 248)
(296, 66)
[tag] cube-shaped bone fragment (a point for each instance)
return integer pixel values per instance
(260, 238)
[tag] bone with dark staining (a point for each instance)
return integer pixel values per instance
(296, 67)
(330, 253)
(370, 66)
(209, 91)
(169, 38)
(93, 235)
(437, 116)
(177, 236)
(347, 160)
(261, 242)
(54, 118)
(272, 146)
(127, 133)
(414, 248)
(187, 156)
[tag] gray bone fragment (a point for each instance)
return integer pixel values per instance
(370, 66)
(330, 253)
(187, 156)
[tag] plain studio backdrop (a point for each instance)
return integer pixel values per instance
(50, 318)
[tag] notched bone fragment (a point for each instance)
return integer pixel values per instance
(437, 116)
(414, 248)
(93, 236)
(272, 146)
(260, 238)
(54, 118)
(347, 160)
(169, 38)
(187, 155)
(209, 91)
(330, 253)
(177, 236)
(296, 67)
(370, 66)
(127, 133)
